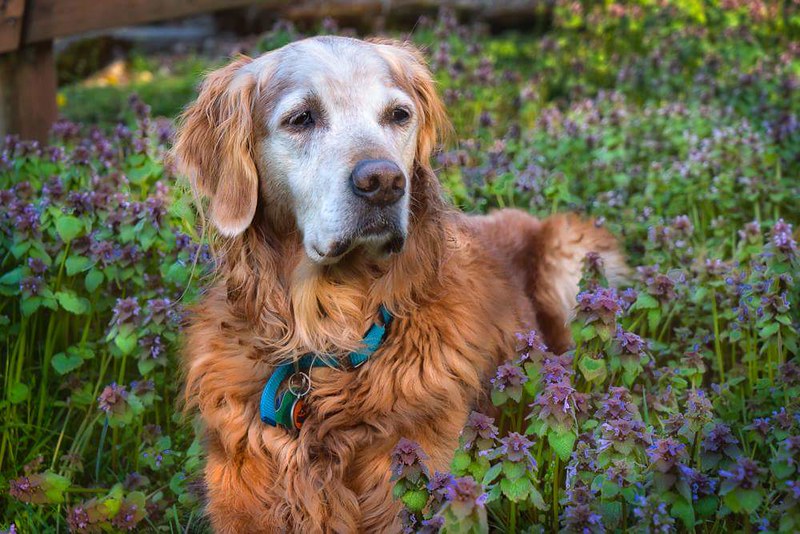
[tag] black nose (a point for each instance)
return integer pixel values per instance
(379, 182)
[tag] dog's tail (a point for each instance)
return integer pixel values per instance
(560, 244)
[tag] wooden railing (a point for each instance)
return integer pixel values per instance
(27, 66)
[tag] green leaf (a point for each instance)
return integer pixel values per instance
(593, 370)
(743, 500)
(782, 470)
(68, 227)
(177, 273)
(706, 506)
(146, 366)
(126, 342)
(12, 278)
(492, 474)
(19, 249)
(562, 443)
(769, 330)
(516, 490)
(415, 500)
(653, 318)
(64, 363)
(71, 302)
(513, 470)
(461, 462)
(30, 305)
(54, 486)
(609, 490)
(77, 264)
(18, 392)
(93, 280)
(536, 498)
(644, 302)
(683, 510)
(499, 397)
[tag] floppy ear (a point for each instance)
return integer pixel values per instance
(411, 72)
(215, 145)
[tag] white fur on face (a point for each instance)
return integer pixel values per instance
(346, 85)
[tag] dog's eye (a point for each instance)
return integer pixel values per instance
(301, 120)
(400, 115)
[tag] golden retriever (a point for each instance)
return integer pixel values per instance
(314, 160)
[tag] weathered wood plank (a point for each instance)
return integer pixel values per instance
(28, 91)
(11, 18)
(48, 19)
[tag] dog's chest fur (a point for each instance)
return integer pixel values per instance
(421, 384)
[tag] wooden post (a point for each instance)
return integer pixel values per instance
(28, 89)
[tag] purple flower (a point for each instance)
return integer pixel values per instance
(432, 525)
(78, 519)
(27, 489)
(31, 286)
(142, 387)
(720, 439)
(666, 453)
(698, 408)
(581, 518)
(602, 305)
(128, 516)
(782, 238)
(479, 431)
(37, 266)
(464, 496)
(792, 447)
(620, 473)
(26, 223)
(407, 461)
(745, 474)
(158, 310)
(556, 369)
(105, 252)
(126, 311)
(617, 404)
(65, 131)
(622, 435)
(513, 448)
(790, 373)
(700, 484)
(683, 226)
(152, 346)
(113, 399)
(760, 425)
(629, 343)
(794, 489)
(653, 516)
(751, 232)
(437, 487)
(509, 376)
(532, 344)
(156, 210)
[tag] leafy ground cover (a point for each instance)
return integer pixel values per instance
(675, 124)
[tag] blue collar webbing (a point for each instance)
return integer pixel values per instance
(284, 408)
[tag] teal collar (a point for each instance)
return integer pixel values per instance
(285, 408)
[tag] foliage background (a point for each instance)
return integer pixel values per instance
(674, 123)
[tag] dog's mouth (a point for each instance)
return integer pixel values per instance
(378, 238)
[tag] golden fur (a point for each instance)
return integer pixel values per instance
(460, 290)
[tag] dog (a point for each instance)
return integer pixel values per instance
(313, 164)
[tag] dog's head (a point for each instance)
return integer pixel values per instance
(330, 129)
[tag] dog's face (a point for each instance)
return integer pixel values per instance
(329, 129)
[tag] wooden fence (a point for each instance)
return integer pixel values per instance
(27, 65)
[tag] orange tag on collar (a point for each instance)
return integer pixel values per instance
(299, 413)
